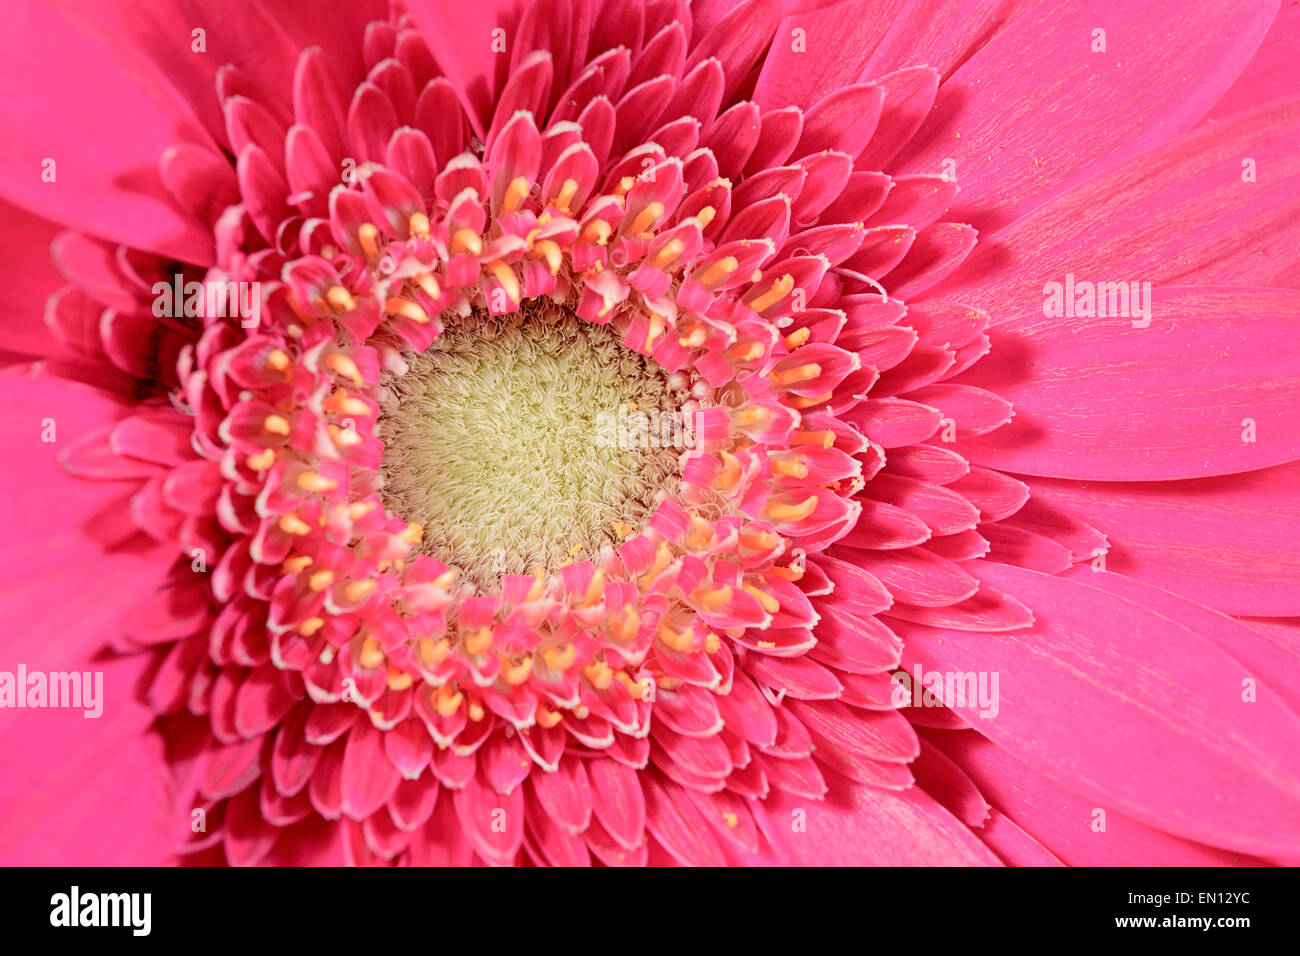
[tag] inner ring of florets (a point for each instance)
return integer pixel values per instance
(528, 441)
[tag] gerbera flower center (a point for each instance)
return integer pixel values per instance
(502, 440)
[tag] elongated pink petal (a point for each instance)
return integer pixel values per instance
(1184, 214)
(1132, 709)
(104, 139)
(1229, 543)
(1079, 830)
(1083, 111)
(1140, 419)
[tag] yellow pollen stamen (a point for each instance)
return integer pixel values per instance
(731, 471)
(432, 652)
(538, 588)
(790, 573)
(597, 231)
(515, 674)
(359, 509)
(719, 271)
(797, 338)
(789, 469)
(449, 700)
(516, 193)
(701, 533)
(429, 284)
(567, 192)
(770, 604)
(412, 533)
(419, 225)
(262, 460)
(754, 415)
(292, 524)
(368, 235)
(344, 436)
(671, 250)
(784, 512)
(278, 359)
(311, 626)
(682, 641)
(398, 679)
(551, 252)
(466, 240)
(341, 403)
(746, 351)
(320, 580)
(340, 298)
(759, 540)
(800, 402)
(712, 597)
(343, 365)
(310, 481)
(663, 558)
(406, 307)
(295, 564)
(595, 590)
(635, 689)
(506, 276)
(600, 674)
(624, 628)
(825, 438)
(800, 373)
(479, 641)
(445, 580)
(646, 218)
(779, 290)
(358, 591)
(557, 659)
(476, 711)
(276, 425)
(712, 642)
(705, 216)
(546, 717)
(695, 338)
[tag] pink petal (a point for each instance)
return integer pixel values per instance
(1159, 218)
(105, 138)
(1134, 710)
(1230, 543)
(1179, 399)
(1023, 117)
(1062, 821)
(859, 825)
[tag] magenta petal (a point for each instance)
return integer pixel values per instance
(859, 825)
(1231, 543)
(1132, 709)
(462, 40)
(1064, 822)
(104, 136)
(1263, 660)
(1184, 397)
(86, 791)
(1035, 109)
(1179, 215)
(803, 67)
(31, 280)
(1271, 73)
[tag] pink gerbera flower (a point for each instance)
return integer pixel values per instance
(566, 433)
